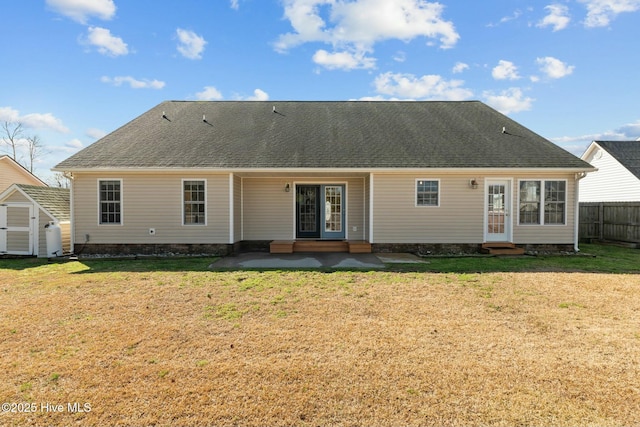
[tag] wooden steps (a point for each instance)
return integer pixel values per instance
(501, 248)
(291, 246)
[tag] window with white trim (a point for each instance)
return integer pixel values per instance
(194, 202)
(427, 192)
(110, 201)
(542, 202)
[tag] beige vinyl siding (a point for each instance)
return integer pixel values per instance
(151, 201)
(367, 202)
(269, 211)
(237, 208)
(461, 214)
(397, 219)
(65, 228)
(10, 173)
(612, 182)
(355, 209)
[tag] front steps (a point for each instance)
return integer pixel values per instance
(291, 246)
(501, 248)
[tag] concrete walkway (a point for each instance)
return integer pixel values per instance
(312, 260)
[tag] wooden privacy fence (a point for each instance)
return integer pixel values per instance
(616, 221)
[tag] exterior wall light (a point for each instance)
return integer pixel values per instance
(473, 183)
(287, 187)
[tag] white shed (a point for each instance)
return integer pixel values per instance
(25, 210)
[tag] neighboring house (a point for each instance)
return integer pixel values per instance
(618, 175)
(12, 172)
(25, 210)
(214, 177)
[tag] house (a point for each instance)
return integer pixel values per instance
(618, 175)
(25, 212)
(12, 172)
(217, 177)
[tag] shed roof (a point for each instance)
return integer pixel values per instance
(56, 201)
(318, 134)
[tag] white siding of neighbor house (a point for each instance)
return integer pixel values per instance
(269, 211)
(612, 182)
(460, 216)
(151, 200)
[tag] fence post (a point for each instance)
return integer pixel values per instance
(601, 220)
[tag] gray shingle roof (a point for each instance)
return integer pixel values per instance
(310, 134)
(626, 152)
(56, 201)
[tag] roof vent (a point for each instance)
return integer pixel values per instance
(164, 116)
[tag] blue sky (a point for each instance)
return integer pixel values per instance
(75, 70)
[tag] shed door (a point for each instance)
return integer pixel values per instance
(16, 233)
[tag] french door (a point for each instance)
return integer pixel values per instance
(320, 211)
(498, 211)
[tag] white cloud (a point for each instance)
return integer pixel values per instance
(508, 101)
(259, 95)
(400, 56)
(356, 26)
(343, 60)
(75, 144)
(190, 44)
(106, 43)
(516, 14)
(601, 12)
(554, 68)
(132, 82)
(235, 4)
(44, 121)
(460, 67)
(95, 133)
(505, 70)
(8, 114)
(33, 120)
(627, 132)
(209, 93)
(81, 10)
(429, 87)
(558, 17)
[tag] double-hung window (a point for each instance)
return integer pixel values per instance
(110, 204)
(194, 202)
(427, 192)
(543, 202)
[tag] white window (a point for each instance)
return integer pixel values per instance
(543, 202)
(110, 201)
(427, 192)
(194, 202)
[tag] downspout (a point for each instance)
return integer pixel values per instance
(576, 231)
(72, 222)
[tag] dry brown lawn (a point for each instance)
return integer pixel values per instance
(318, 349)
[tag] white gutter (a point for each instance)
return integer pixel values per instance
(363, 170)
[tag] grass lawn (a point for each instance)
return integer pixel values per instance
(467, 341)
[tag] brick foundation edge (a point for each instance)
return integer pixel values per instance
(154, 249)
